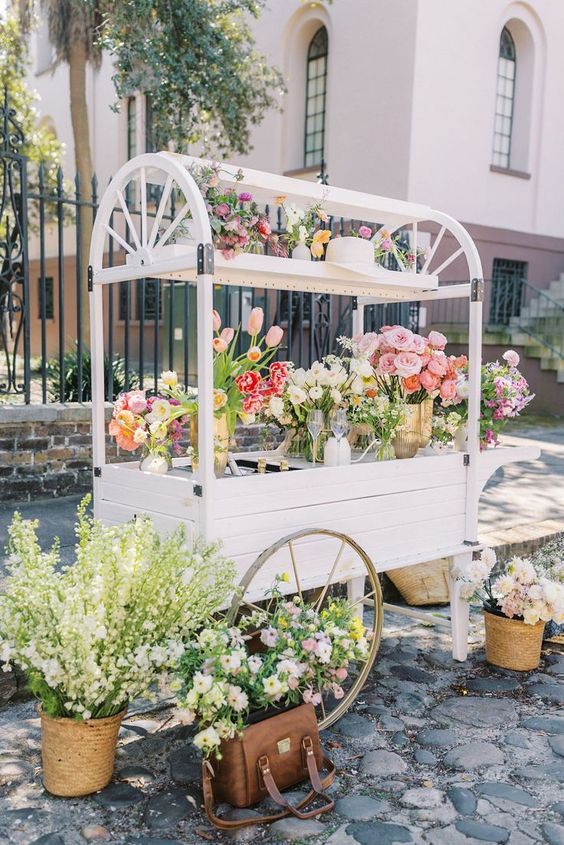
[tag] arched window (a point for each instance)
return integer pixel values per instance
(505, 100)
(316, 91)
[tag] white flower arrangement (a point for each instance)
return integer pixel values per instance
(94, 635)
(521, 590)
(324, 387)
(445, 426)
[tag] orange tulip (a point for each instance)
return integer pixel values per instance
(254, 354)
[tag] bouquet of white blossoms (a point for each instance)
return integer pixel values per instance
(98, 633)
(520, 590)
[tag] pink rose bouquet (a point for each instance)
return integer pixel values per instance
(409, 367)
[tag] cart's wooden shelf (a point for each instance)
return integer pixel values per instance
(179, 262)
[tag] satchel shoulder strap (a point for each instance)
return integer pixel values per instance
(318, 791)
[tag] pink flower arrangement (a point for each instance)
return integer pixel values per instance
(409, 366)
(155, 422)
(505, 394)
(236, 221)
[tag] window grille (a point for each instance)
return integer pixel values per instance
(505, 97)
(316, 94)
(507, 290)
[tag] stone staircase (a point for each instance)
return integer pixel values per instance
(539, 327)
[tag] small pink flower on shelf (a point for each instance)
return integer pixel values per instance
(256, 319)
(219, 344)
(216, 320)
(365, 232)
(254, 354)
(273, 336)
(228, 334)
(511, 357)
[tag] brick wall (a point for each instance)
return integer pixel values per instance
(46, 450)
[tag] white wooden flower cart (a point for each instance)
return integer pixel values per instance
(401, 512)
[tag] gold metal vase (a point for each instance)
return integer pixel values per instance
(221, 438)
(416, 431)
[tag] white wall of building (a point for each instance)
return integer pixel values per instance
(410, 110)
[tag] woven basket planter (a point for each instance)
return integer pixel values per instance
(511, 643)
(78, 757)
(425, 583)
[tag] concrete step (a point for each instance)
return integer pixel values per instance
(552, 363)
(547, 308)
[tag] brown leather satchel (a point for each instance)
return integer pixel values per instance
(270, 756)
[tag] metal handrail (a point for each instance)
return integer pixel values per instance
(554, 320)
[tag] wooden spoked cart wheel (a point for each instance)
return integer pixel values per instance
(320, 565)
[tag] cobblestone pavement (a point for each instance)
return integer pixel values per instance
(432, 752)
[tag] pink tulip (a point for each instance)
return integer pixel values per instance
(216, 320)
(228, 334)
(274, 336)
(219, 344)
(256, 319)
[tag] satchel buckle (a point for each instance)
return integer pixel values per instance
(263, 767)
(308, 745)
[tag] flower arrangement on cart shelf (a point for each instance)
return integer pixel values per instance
(410, 370)
(386, 246)
(323, 387)
(156, 424)
(236, 221)
(243, 383)
(505, 394)
(293, 652)
(517, 604)
(305, 236)
(94, 635)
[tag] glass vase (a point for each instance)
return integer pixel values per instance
(385, 452)
(301, 445)
(159, 461)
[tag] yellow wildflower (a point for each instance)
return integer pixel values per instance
(320, 237)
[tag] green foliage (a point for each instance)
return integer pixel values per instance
(40, 144)
(198, 60)
(70, 363)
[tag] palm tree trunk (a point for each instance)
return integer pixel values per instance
(83, 163)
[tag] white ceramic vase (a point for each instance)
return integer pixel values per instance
(337, 453)
(302, 251)
(461, 439)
